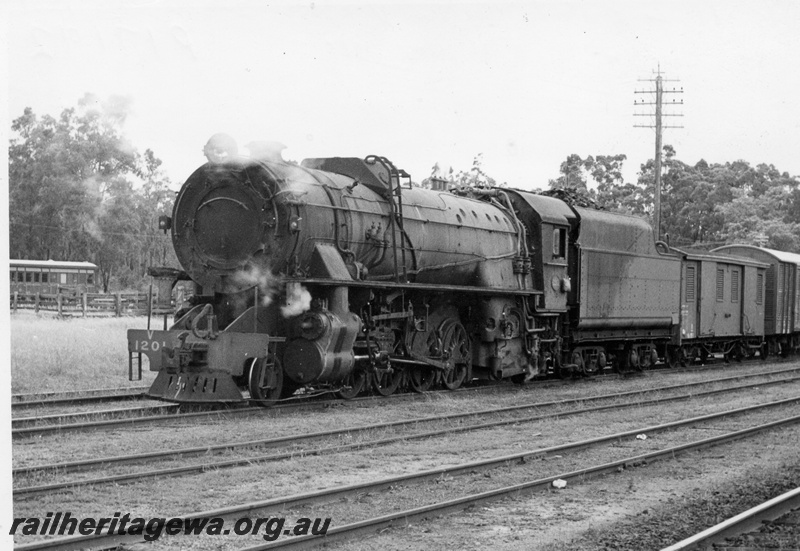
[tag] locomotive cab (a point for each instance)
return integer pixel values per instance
(548, 221)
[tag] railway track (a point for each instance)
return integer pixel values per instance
(517, 476)
(122, 417)
(77, 393)
(40, 425)
(747, 529)
(32, 424)
(77, 397)
(290, 444)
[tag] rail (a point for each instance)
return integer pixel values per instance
(743, 522)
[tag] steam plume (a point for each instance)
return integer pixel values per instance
(298, 300)
(267, 283)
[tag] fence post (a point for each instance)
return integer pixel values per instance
(36, 303)
(118, 303)
(85, 304)
(16, 297)
(60, 303)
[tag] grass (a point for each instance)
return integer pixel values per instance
(48, 354)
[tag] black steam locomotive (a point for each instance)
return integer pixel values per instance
(337, 274)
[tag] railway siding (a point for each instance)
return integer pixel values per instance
(448, 425)
(395, 500)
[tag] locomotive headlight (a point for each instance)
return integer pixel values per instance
(164, 223)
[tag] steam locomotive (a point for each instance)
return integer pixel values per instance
(338, 274)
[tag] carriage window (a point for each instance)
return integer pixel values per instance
(90, 279)
(735, 286)
(559, 242)
(29, 277)
(36, 277)
(720, 284)
(690, 283)
(760, 289)
(13, 276)
(62, 279)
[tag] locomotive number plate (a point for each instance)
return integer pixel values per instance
(145, 340)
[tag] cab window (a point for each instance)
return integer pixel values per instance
(559, 243)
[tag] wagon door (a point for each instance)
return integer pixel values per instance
(733, 313)
(796, 295)
(689, 299)
(784, 295)
(753, 303)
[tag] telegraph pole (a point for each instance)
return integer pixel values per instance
(657, 124)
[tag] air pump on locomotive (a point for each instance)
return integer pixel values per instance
(338, 274)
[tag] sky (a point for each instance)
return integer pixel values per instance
(524, 84)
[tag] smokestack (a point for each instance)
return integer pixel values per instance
(220, 148)
(266, 151)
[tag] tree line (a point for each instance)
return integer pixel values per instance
(702, 206)
(78, 190)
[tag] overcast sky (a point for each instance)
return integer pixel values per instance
(525, 84)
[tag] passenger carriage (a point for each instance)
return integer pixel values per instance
(52, 276)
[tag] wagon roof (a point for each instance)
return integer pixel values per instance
(728, 259)
(781, 256)
(50, 264)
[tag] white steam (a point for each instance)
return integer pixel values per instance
(261, 278)
(298, 300)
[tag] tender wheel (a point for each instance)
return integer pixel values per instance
(420, 378)
(672, 357)
(352, 385)
(457, 347)
(636, 361)
(595, 364)
(602, 361)
(265, 381)
(652, 358)
(628, 360)
(386, 382)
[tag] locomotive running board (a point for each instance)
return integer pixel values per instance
(371, 284)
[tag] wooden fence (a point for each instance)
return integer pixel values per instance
(86, 304)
